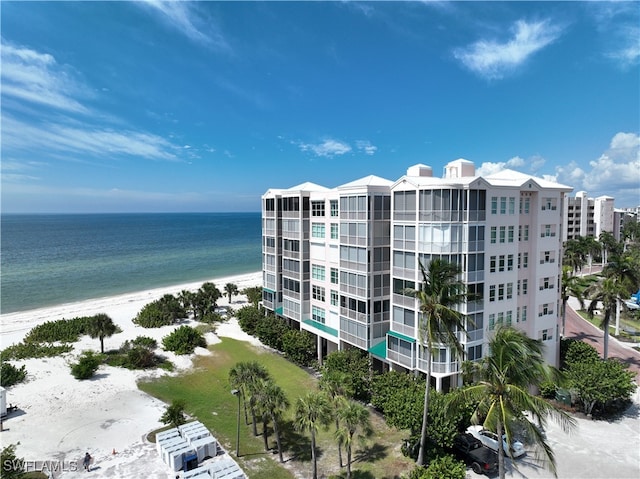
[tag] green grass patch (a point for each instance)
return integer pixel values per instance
(207, 396)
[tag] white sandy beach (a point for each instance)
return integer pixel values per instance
(60, 418)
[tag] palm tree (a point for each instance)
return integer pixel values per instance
(590, 247)
(273, 403)
(188, 300)
(174, 414)
(101, 326)
(312, 411)
(245, 377)
(354, 418)
(609, 244)
(230, 289)
(439, 293)
(606, 291)
(337, 386)
(574, 255)
(569, 285)
(627, 278)
(514, 365)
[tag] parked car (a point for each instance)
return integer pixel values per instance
(490, 439)
(480, 458)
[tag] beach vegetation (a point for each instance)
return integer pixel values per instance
(272, 403)
(184, 340)
(253, 294)
(144, 341)
(10, 374)
(299, 346)
(33, 350)
(230, 290)
(353, 422)
(205, 301)
(442, 467)
(246, 378)
(312, 412)
(270, 330)
(174, 414)
(101, 326)
(86, 366)
(162, 312)
(355, 364)
(61, 330)
(136, 354)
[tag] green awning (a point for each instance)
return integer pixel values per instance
(279, 310)
(321, 327)
(380, 349)
(270, 290)
(401, 336)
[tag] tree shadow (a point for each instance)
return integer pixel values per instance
(355, 474)
(372, 453)
(296, 445)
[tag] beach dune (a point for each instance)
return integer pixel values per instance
(59, 418)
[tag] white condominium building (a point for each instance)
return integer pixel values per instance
(585, 216)
(337, 262)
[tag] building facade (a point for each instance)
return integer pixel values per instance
(337, 262)
(585, 216)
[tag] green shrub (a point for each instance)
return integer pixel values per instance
(271, 330)
(442, 467)
(34, 350)
(299, 346)
(145, 342)
(10, 375)
(163, 312)
(548, 390)
(184, 340)
(248, 319)
(88, 363)
(581, 352)
(62, 330)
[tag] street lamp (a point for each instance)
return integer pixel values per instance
(235, 392)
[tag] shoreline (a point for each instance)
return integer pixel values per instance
(15, 325)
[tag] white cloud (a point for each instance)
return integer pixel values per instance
(366, 146)
(615, 173)
(492, 59)
(488, 168)
(617, 24)
(37, 78)
(184, 17)
(328, 148)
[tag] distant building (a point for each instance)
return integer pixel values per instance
(337, 262)
(585, 216)
(623, 216)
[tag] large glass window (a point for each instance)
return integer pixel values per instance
(317, 272)
(317, 208)
(317, 230)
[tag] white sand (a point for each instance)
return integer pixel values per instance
(61, 418)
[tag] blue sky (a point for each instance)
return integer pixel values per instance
(203, 106)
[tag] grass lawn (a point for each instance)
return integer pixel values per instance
(207, 395)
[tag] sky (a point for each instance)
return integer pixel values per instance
(204, 106)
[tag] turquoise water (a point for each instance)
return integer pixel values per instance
(54, 259)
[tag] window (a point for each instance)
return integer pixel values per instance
(317, 208)
(512, 205)
(509, 290)
(509, 317)
(317, 230)
(518, 314)
(503, 231)
(549, 231)
(334, 208)
(335, 298)
(524, 314)
(503, 205)
(317, 314)
(501, 263)
(519, 260)
(474, 352)
(510, 262)
(317, 293)
(492, 264)
(493, 234)
(525, 260)
(510, 234)
(547, 257)
(494, 205)
(492, 321)
(317, 272)
(527, 202)
(526, 233)
(525, 286)
(334, 230)
(334, 275)
(400, 286)
(500, 320)
(546, 309)
(546, 283)
(500, 291)
(492, 292)
(549, 204)
(546, 334)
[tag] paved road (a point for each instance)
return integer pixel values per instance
(578, 328)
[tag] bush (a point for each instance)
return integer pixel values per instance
(88, 363)
(248, 319)
(253, 294)
(548, 390)
(145, 342)
(299, 346)
(581, 352)
(163, 312)
(442, 467)
(184, 340)
(34, 350)
(62, 330)
(271, 330)
(355, 363)
(10, 375)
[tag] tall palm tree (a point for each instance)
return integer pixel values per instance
(230, 289)
(626, 276)
(188, 300)
(569, 285)
(337, 386)
(273, 404)
(439, 322)
(574, 255)
(312, 412)
(245, 377)
(590, 248)
(101, 326)
(606, 291)
(354, 419)
(609, 245)
(514, 365)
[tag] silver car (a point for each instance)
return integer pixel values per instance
(490, 439)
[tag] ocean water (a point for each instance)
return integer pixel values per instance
(53, 259)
